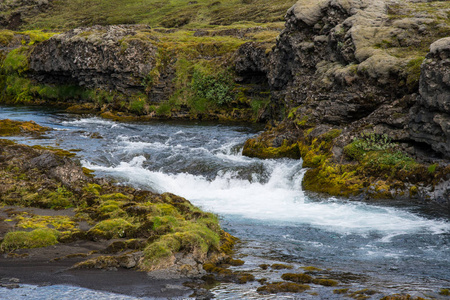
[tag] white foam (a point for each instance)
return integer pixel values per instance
(87, 121)
(279, 200)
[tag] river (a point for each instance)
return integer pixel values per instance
(387, 246)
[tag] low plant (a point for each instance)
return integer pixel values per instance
(42, 237)
(217, 89)
(111, 228)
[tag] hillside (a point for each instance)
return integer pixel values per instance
(69, 14)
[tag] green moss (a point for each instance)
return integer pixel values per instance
(254, 148)
(244, 278)
(114, 196)
(93, 188)
(59, 199)
(326, 282)
(11, 127)
(282, 287)
(340, 291)
(5, 37)
(300, 278)
(112, 228)
(281, 266)
(413, 72)
(165, 247)
(29, 239)
(444, 292)
(311, 269)
(16, 61)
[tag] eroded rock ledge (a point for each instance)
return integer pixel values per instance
(346, 76)
(108, 58)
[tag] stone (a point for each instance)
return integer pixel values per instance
(105, 57)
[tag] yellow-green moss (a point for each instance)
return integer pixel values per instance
(282, 287)
(112, 228)
(9, 127)
(326, 282)
(29, 239)
(281, 266)
(300, 278)
(5, 37)
(253, 148)
(444, 292)
(340, 291)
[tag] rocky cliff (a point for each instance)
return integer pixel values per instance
(135, 70)
(107, 58)
(345, 72)
(345, 62)
(429, 120)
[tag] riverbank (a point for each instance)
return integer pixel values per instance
(261, 201)
(58, 220)
(358, 90)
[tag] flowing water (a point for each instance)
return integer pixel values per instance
(387, 246)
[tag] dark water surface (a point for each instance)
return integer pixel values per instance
(388, 247)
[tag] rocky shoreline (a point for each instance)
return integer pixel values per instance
(349, 86)
(359, 90)
(58, 220)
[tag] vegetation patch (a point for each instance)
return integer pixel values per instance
(11, 127)
(282, 287)
(158, 226)
(29, 239)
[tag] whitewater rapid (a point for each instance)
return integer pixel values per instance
(401, 246)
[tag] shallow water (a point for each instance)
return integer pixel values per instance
(386, 246)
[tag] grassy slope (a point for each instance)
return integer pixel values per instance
(67, 14)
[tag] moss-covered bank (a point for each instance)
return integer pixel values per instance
(370, 164)
(48, 199)
(135, 72)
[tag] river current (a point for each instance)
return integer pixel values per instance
(387, 246)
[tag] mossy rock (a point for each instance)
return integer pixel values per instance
(282, 287)
(254, 148)
(11, 127)
(299, 278)
(111, 228)
(37, 238)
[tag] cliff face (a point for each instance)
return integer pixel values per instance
(356, 63)
(356, 95)
(107, 58)
(430, 116)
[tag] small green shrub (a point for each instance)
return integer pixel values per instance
(215, 88)
(137, 105)
(390, 159)
(164, 109)
(32, 239)
(432, 168)
(374, 142)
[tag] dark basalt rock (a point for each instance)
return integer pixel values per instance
(107, 58)
(430, 117)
